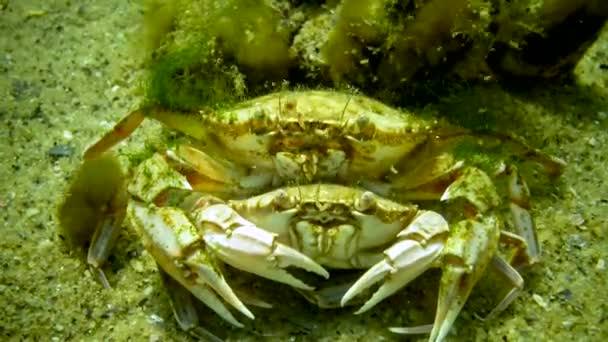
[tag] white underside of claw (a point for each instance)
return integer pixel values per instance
(421, 245)
(242, 245)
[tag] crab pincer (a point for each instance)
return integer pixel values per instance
(419, 246)
(242, 245)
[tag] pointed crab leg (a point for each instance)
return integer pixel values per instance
(188, 123)
(103, 241)
(177, 246)
(184, 310)
(216, 174)
(122, 130)
(96, 201)
(242, 245)
(420, 245)
(519, 206)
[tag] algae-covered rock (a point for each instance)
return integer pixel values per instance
(250, 31)
(211, 53)
(361, 25)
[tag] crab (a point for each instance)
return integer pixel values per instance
(319, 180)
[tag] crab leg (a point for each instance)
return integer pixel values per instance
(122, 130)
(420, 245)
(216, 175)
(519, 196)
(514, 278)
(242, 245)
(103, 241)
(96, 201)
(188, 123)
(184, 310)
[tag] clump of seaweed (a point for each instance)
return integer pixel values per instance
(210, 54)
(206, 53)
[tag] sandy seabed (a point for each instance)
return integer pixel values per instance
(68, 72)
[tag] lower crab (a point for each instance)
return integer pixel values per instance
(318, 181)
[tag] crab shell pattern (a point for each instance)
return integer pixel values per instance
(319, 180)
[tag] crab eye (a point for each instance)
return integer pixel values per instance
(282, 199)
(366, 201)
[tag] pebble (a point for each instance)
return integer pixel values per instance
(148, 291)
(60, 151)
(155, 319)
(565, 294)
(45, 244)
(67, 135)
(577, 241)
(601, 265)
(578, 220)
(540, 301)
(30, 212)
(137, 265)
(567, 324)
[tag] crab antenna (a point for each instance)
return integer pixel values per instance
(344, 109)
(280, 107)
(318, 195)
(299, 192)
(280, 115)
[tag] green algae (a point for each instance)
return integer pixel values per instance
(209, 54)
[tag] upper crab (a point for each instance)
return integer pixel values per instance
(309, 136)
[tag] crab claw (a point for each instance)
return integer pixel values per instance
(469, 250)
(241, 244)
(420, 245)
(177, 247)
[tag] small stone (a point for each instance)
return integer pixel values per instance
(45, 244)
(567, 324)
(155, 319)
(154, 338)
(601, 265)
(565, 294)
(137, 265)
(577, 241)
(148, 291)
(540, 301)
(31, 212)
(67, 135)
(59, 327)
(578, 220)
(60, 151)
